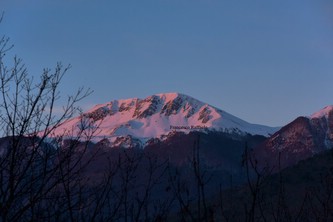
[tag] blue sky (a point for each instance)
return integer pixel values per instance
(264, 61)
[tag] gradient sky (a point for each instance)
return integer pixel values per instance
(264, 61)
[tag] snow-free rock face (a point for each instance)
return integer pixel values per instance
(157, 116)
(300, 139)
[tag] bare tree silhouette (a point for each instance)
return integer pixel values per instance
(33, 168)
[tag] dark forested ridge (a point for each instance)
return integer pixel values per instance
(194, 177)
(71, 180)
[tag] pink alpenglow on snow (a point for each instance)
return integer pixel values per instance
(325, 112)
(157, 116)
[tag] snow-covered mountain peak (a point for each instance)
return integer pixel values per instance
(168, 96)
(325, 112)
(174, 95)
(159, 115)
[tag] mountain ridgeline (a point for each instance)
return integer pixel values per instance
(140, 122)
(299, 140)
(160, 119)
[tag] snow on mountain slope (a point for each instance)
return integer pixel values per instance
(159, 115)
(322, 113)
(300, 139)
(323, 120)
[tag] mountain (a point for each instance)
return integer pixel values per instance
(300, 139)
(136, 122)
